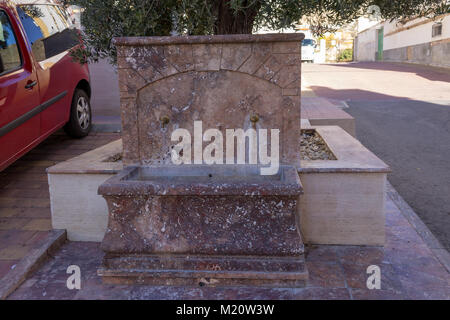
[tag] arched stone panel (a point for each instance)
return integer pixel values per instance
(220, 80)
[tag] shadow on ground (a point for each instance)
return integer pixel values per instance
(413, 137)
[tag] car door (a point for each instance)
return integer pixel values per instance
(50, 36)
(19, 92)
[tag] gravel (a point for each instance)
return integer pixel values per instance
(115, 158)
(313, 147)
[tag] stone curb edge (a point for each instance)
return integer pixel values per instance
(107, 127)
(439, 251)
(14, 278)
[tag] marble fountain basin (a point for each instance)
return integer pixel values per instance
(182, 224)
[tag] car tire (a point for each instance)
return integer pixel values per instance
(80, 121)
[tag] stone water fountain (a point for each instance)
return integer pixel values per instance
(222, 224)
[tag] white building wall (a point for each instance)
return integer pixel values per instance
(366, 45)
(414, 36)
(412, 42)
(365, 23)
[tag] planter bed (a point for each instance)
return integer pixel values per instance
(343, 200)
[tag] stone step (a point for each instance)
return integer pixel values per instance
(204, 270)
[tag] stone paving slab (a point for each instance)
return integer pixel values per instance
(25, 218)
(327, 112)
(35, 256)
(409, 270)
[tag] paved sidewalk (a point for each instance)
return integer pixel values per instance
(326, 112)
(25, 221)
(409, 270)
(105, 97)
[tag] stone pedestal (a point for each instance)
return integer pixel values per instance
(216, 225)
(182, 225)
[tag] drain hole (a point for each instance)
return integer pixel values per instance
(210, 175)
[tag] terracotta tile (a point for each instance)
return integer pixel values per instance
(38, 225)
(36, 213)
(321, 294)
(19, 177)
(14, 252)
(321, 253)
(26, 169)
(420, 285)
(81, 251)
(14, 237)
(425, 271)
(437, 293)
(29, 283)
(210, 293)
(6, 266)
(24, 203)
(403, 233)
(8, 212)
(12, 223)
(47, 292)
(40, 163)
(25, 185)
(95, 288)
(25, 193)
(366, 294)
(37, 239)
(406, 253)
(361, 255)
(325, 274)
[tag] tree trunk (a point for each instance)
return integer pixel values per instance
(229, 22)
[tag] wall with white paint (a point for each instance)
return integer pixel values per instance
(366, 45)
(415, 34)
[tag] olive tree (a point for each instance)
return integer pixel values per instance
(103, 20)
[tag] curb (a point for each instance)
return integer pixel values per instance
(106, 127)
(14, 278)
(430, 240)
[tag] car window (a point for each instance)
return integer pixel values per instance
(9, 51)
(47, 29)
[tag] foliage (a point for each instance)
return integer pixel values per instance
(345, 55)
(105, 19)
(102, 20)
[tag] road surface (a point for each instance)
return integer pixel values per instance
(402, 114)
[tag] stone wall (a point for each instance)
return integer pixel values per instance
(167, 83)
(431, 53)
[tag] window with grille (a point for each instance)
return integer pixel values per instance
(437, 30)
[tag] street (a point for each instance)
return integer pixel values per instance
(402, 114)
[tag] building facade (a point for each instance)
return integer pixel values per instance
(421, 41)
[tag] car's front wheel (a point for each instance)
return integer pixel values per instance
(80, 121)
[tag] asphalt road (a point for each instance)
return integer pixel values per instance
(402, 114)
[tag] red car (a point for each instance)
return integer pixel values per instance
(41, 88)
